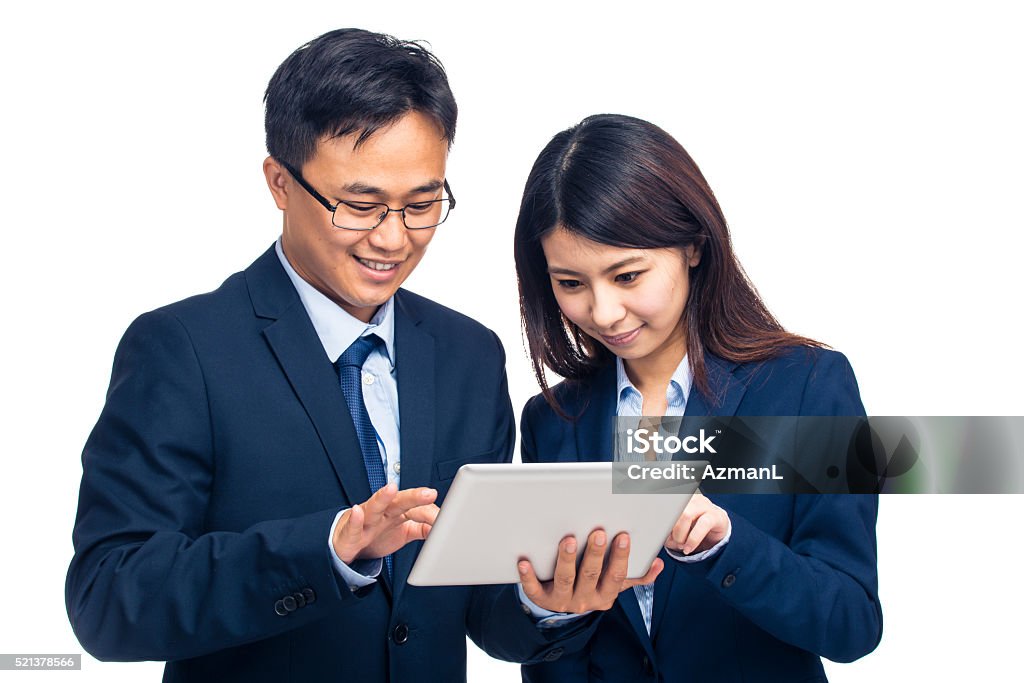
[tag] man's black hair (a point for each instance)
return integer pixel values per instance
(352, 81)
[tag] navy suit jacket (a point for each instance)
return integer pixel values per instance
(214, 473)
(798, 578)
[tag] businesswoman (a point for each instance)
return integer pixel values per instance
(629, 289)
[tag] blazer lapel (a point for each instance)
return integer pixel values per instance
(415, 358)
(728, 390)
(662, 590)
(594, 441)
(594, 427)
(297, 348)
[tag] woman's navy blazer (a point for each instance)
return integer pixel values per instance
(797, 580)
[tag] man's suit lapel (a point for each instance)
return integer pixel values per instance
(298, 350)
(415, 355)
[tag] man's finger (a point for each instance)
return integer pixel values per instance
(423, 513)
(353, 529)
(378, 503)
(416, 531)
(348, 538)
(408, 499)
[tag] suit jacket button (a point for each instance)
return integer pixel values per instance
(729, 580)
(401, 634)
(279, 608)
(554, 654)
(289, 603)
(300, 599)
(309, 595)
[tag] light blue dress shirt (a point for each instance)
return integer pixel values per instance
(630, 403)
(337, 330)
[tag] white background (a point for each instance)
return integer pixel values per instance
(869, 163)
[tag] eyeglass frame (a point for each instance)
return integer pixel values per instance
(324, 202)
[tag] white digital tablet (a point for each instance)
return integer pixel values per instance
(497, 514)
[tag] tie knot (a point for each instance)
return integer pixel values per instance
(356, 354)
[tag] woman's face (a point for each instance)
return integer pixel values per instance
(630, 300)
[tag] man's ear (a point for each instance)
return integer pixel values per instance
(277, 180)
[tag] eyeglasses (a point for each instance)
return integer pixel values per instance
(368, 215)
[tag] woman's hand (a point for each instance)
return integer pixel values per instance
(702, 525)
(597, 583)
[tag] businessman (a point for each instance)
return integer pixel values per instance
(270, 453)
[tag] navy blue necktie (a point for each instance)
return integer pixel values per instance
(350, 370)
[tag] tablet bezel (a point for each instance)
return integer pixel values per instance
(496, 514)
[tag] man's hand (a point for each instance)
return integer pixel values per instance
(597, 583)
(384, 523)
(702, 525)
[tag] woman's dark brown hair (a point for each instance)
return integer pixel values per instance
(624, 182)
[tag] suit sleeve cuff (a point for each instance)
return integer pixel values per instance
(360, 573)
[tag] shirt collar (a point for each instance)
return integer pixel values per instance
(335, 327)
(678, 386)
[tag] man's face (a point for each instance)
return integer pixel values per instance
(398, 165)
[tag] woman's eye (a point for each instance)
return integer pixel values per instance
(627, 277)
(569, 284)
